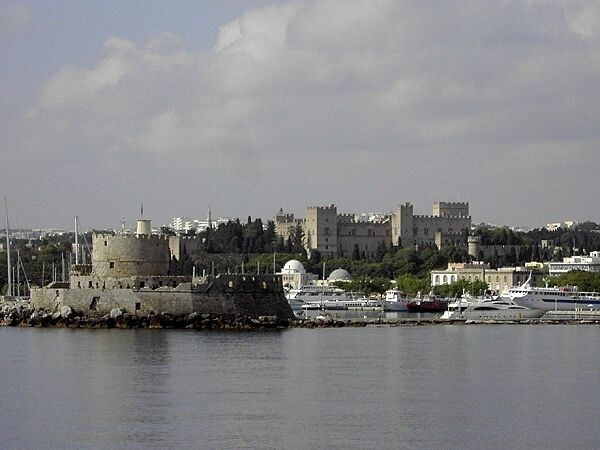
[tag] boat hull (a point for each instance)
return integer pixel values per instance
(427, 306)
(394, 306)
(547, 303)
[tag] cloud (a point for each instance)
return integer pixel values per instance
(15, 17)
(422, 93)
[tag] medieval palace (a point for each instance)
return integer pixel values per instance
(342, 235)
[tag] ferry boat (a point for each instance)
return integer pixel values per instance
(359, 304)
(322, 297)
(395, 300)
(488, 309)
(553, 298)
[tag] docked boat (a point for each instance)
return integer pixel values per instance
(488, 309)
(322, 297)
(359, 304)
(553, 298)
(395, 300)
(428, 304)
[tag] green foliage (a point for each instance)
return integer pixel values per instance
(365, 285)
(585, 281)
(411, 284)
(456, 289)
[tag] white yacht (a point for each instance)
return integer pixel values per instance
(488, 309)
(395, 300)
(553, 298)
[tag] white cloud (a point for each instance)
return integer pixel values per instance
(414, 90)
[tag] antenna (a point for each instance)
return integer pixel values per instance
(141, 209)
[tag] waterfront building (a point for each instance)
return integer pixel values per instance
(350, 235)
(294, 275)
(589, 263)
(498, 280)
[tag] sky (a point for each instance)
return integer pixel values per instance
(252, 106)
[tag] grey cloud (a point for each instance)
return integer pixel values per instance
(363, 103)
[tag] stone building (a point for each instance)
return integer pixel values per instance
(343, 235)
(132, 272)
(498, 280)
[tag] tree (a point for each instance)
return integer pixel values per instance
(411, 284)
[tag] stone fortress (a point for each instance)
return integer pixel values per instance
(341, 235)
(132, 272)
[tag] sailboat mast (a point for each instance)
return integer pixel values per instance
(76, 243)
(9, 288)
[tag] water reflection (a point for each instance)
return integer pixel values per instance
(416, 387)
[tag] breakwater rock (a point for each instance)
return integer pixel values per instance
(22, 314)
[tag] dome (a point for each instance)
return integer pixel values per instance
(339, 275)
(293, 266)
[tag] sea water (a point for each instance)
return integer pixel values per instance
(432, 386)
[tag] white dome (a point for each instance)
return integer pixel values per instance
(293, 266)
(339, 275)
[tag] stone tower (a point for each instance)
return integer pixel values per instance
(320, 230)
(124, 255)
(402, 226)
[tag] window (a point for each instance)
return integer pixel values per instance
(138, 306)
(105, 243)
(111, 265)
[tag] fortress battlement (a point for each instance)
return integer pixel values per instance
(322, 208)
(459, 204)
(432, 217)
(115, 236)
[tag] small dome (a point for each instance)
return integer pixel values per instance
(293, 266)
(339, 275)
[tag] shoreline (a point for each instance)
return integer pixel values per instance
(23, 315)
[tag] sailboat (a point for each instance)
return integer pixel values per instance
(9, 289)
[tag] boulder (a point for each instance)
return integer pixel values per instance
(115, 313)
(66, 312)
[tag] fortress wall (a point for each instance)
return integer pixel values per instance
(242, 295)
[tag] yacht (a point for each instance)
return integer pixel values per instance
(488, 309)
(395, 300)
(553, 298)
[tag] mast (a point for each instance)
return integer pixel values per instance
(18, 274)
(76, 242)
(9, 289)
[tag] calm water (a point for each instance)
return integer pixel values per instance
(405, 387)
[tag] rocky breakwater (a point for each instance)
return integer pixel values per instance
(22, 314)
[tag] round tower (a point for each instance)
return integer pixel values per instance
(474, 244)
(121, 255)
(143, 228)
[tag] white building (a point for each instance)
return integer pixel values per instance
(589, 263)
(293, 275)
